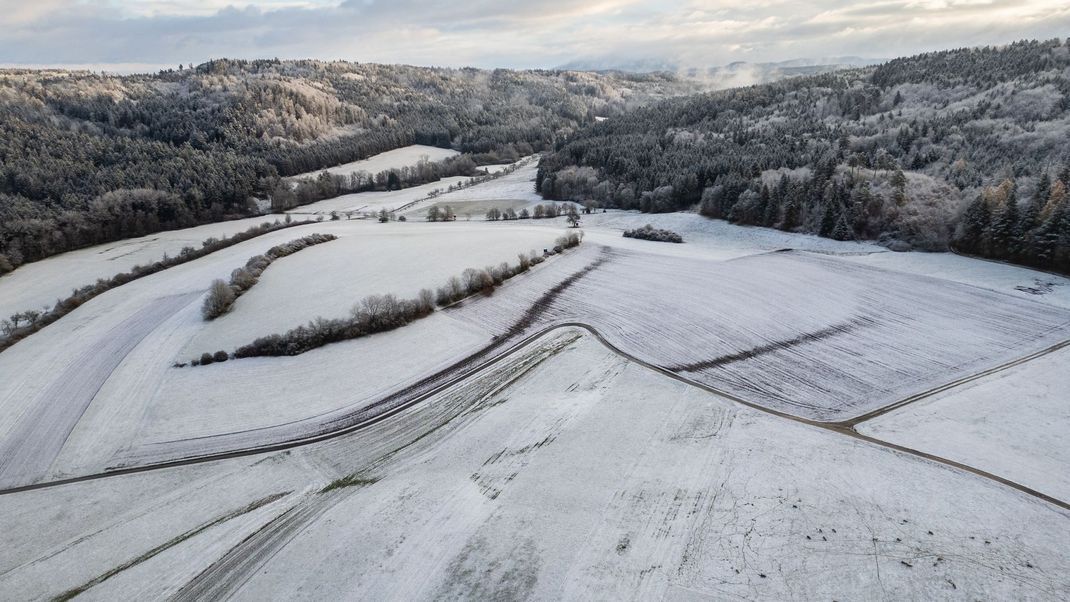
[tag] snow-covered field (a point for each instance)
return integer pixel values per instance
(406, 156)
(1014, 280)
(565, 472)
(802, 333)
(545, 465)
(39, 284)
(369, 258)
(511, 191)
(1012, 423)
(515, 190)
(519, 185)
(129, 396)
(370, 202)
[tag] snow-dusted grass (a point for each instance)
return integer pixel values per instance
(705, 237)
(284, 396)
(719, 239)
(802, 333)
(1012, 423)
(470, 210)
(135, 399)
(564, 473)
(829, 338)
(519, 185)
(406, 156)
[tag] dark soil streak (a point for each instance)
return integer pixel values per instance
(807, 337)
(543, 303)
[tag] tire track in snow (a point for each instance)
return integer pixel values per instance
(73, 592)
(40, 434)
(227, 574)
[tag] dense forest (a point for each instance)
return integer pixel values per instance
(88, 158)
(965, 149)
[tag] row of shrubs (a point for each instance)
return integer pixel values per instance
(550, 210)
(23, 324)
(222, 295)
(380, 313)
(649, 232)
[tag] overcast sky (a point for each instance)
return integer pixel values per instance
(507, 33)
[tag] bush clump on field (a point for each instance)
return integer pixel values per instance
(207, 358)
(221, 295)
(568, 240)
(649, 232)
(376, 313)
(380, 313)
(23, 324)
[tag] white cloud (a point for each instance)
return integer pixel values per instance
(510, 33)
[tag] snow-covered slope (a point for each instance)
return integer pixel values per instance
(41, 283)
(566, 472)
(534, 461)
(406, 156)
(802, 333)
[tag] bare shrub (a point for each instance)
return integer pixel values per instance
(476, 281)
(568, 240)
(649, 232)
(242, 278)
(443, 296)
(220, 298)
(425, 301)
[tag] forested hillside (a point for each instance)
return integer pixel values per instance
(965, 148)
(87, 158)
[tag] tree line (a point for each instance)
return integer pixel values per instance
(897, 153)
(87, 158)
